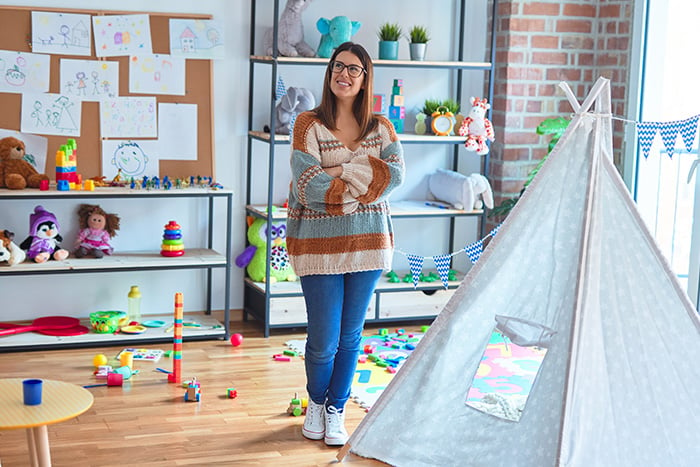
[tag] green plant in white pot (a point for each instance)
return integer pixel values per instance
(418, 41)
(389, 34)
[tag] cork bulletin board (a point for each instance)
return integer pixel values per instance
(16, 36)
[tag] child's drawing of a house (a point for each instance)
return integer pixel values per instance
(80, 35)
(187, 40)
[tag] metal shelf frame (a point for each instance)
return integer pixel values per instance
(255, 299)
(216, 261)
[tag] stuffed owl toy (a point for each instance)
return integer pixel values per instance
(254, 258)
(43, 242)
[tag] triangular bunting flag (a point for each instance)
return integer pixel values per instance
(669, 134)
(291, 124)
(280, 90)
(416, 264)
(494, 231)
(474, 250)
(689, 127)
(646, 132)
(442, 263)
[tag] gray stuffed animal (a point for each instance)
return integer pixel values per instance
(296, 101)
(466, 192)
(290, 33)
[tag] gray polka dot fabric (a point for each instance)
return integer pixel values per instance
(620, 384)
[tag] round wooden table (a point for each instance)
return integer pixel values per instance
(60, 401)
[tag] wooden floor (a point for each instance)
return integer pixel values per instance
(147, 423)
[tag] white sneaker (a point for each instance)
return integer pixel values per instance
(314, 426)
(336, 435)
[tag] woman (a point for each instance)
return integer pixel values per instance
(345, 161)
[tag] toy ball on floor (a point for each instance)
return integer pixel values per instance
(236, 339)
(99, 360)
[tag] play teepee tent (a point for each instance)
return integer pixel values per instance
(620, 382)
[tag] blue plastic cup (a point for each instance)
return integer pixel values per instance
(32, 391)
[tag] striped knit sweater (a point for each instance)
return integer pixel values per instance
(340, 225)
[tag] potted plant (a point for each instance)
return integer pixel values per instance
(418, 41)
(389, 34)
(429, 107)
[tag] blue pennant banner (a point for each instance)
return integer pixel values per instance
(442, 263)
(474, 250)
(281, 90)
(646, 132)
(669, 134)
(291, 124)
(689, 127)
(416, 264)
(495, 230)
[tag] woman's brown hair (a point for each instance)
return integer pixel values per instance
(362, 107)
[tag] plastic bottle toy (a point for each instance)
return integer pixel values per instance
(172, 240)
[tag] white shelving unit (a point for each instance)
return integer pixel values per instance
(204, 257)
(281, 305)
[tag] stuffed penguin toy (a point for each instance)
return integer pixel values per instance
(42, 244)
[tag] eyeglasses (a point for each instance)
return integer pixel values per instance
(355, 71)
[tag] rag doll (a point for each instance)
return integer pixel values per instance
(43, 242)
(97, 228)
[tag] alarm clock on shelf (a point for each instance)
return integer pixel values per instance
(442, 121)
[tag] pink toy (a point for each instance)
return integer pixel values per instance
(96, 230)
(477, 128)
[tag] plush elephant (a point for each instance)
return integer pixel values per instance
(466, 192)
(296, 101)
(334, 32)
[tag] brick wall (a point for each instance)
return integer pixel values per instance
(539, 44)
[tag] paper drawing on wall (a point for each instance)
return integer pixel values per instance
(130, 159)
(196, 38)
(177, 131)
(128, 117)
(51, 114)
(89, 80)
(122, 35)
(23, 72)
(60, 33)
(157, 74)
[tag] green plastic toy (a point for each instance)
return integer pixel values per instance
(254, 257)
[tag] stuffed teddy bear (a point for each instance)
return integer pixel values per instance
(255, 257)
(461, 191)
(477, 128)
(97, 228)
(294, 102)
(334, 32)
(42, 244)
(290, 32)
(15, 172)
(9, 251)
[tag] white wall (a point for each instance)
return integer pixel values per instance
(78, 295)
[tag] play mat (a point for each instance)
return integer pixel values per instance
(372, 376)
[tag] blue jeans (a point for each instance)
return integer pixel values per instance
(336, 306)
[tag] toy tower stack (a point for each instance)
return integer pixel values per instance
(397, 112)
(67, 163)
(172, 240)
